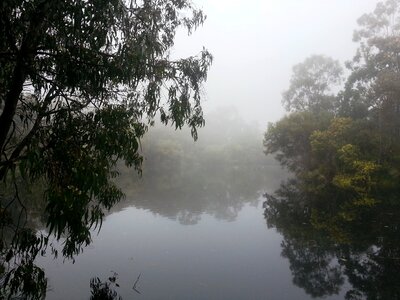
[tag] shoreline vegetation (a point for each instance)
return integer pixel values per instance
(341, 139)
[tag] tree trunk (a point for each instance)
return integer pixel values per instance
(11, 101)
(25, 57)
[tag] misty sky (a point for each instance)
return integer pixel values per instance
(255, 43)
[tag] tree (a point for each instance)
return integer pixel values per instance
(375, 70)
(289, 138)
(370, 98)
(345, 190)
(80, 81)
(311, 85)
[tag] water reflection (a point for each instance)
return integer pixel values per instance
(20, 243)
(326, 248)
(221, 194)
(183, 181)
(217, 175)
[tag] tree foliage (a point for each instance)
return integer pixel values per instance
(339, 213)
(373, 82)
(312, 85)
(357, 146)
(289, 138)
(80, 81)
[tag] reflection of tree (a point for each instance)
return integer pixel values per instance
(313, 268)
(217, 175)
(312, 258)
(20, 243)
(375, 272)
(188, 218)
(102, 290)
(185, 196)
(22, 240)
(365, 249)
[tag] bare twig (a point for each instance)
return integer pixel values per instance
(134, 285)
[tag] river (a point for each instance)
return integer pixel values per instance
(212, 247)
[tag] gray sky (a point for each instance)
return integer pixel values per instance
(255, 43)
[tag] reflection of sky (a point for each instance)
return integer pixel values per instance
(211, 260)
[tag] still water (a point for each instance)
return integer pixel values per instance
(213, 259)
(196, 226)
(216, 247)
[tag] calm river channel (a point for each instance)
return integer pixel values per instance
(169, 245)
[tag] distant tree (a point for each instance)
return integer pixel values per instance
(373, 85)
(311, 86)
(370, 97)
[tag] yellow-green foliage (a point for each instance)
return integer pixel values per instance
(348, 154)
(333, 137)
(339, 158)
(361, 176)
(342, 181)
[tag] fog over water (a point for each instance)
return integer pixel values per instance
(261, 205)
(255, 44)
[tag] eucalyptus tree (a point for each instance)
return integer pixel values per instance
(375, 69)
(346, 173)
(80, 81)
(312, 85)
(370, 95)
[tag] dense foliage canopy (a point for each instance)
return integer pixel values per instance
(353, 143)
